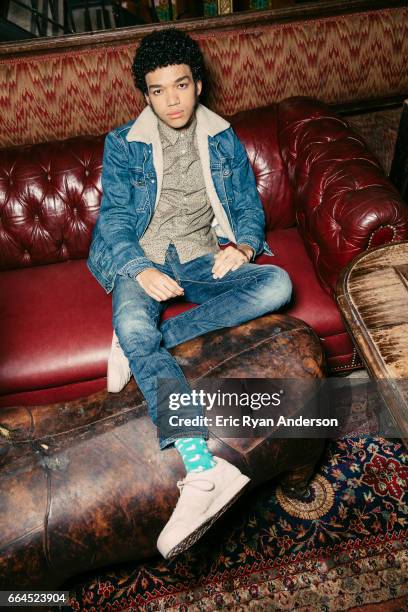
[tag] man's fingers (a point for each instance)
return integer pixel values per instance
(170, 293)
(163, 292)
(165, 288)
(230, 257)
(158, 294)
(231, 263)
(223, 270)
(220, 262)
(154, 295)
(172, 286)
(158, 285)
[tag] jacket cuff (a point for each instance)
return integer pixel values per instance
(252, 242)
(134, 267)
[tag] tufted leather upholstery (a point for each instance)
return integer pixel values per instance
(49, 201)
(325, 197)
(344, 202)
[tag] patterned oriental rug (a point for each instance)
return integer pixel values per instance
(345, 548)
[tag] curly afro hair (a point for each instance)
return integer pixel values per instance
(166, 48)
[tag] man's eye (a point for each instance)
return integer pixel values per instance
(156, 91)
(183, 85)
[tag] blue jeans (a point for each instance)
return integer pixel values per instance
(241, 295)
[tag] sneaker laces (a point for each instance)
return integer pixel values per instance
(202, 484)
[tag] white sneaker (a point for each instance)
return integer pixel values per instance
(204, 497)
(118, 367)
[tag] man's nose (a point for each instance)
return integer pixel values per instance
(172, 98)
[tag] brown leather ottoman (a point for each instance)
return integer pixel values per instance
(84, 483)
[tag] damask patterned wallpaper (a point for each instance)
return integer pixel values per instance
(337, 59)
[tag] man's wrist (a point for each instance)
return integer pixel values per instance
(141, 271)
(246, 250)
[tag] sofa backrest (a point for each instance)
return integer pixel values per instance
(259, 132)
(50, 193)
(49, 201)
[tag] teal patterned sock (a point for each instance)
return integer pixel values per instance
(195, 454)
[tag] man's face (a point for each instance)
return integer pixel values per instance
(172, 94)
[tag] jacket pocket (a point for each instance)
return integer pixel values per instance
(139, 186)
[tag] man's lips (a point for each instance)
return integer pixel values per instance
(173, 115)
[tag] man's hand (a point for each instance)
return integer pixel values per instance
(158, 285)
(231, 258)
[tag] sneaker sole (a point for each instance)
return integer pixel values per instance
(116, 388)
(215, 511)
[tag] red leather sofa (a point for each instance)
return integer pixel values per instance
(326, 200)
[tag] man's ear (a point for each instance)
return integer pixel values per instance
(199, 87)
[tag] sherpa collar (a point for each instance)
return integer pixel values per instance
(145, 129)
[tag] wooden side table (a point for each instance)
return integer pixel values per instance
(372, 295)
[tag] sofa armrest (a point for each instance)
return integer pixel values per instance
(344, 202)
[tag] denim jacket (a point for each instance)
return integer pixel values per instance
(132, 175)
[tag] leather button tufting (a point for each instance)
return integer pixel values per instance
(86, 172)
(36, 217)
(49, 177)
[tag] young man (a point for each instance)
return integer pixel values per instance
(172, 181)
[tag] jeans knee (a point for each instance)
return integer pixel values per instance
(138, 335)
(285, 287)
(275, 290)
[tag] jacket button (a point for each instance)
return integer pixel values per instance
(152, 180)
